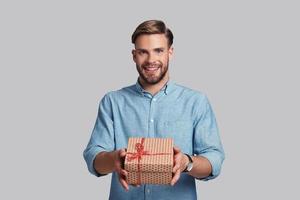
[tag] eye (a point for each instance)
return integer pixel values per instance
(141, 52)
(159, 50)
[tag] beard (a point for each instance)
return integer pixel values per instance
(153, 78)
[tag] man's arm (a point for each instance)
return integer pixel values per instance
(207, 147)
(100, 156)
(201, 166)
(104, 162)
(108, 162)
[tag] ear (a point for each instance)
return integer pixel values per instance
(133, 55)
(170, 52)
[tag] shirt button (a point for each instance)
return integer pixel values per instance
(148, 191)
(151, 120)
(154, 99)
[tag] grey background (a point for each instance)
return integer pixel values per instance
(58, 58)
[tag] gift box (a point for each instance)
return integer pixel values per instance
(149, 160)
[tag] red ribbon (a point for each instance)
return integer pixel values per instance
(139, 154)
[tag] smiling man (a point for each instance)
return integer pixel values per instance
(155, 107)
(151, 55)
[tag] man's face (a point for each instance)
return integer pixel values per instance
(151, 55)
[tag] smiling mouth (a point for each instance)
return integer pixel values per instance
(151, 69)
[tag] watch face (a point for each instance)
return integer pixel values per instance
(189, 167)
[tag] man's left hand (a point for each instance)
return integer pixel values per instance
(180, 163)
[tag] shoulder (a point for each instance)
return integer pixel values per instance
(190, 93)
(119, 94)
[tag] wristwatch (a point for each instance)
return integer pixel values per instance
(189, 165)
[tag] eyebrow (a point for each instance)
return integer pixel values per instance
(159, 48)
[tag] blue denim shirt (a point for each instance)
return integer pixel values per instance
(174, 112)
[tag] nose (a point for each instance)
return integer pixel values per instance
(151, 58)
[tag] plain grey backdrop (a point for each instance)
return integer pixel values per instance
(58, 59)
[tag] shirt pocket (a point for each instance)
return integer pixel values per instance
(181, 131)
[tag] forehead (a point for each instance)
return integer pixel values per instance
(151, 41)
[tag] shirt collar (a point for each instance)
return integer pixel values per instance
(166, 88)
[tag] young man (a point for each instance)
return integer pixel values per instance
(155, 107)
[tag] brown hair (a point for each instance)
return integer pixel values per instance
(152, 27)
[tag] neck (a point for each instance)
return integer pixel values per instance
(154, 88)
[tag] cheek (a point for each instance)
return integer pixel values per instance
(164, 60)
(139, 61)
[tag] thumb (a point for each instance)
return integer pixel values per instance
(122, 153)
(176, 150)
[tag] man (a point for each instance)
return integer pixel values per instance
(155, 107)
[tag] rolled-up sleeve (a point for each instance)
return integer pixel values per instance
(207, 142)
(102, 137)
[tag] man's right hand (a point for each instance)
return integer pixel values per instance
(119, 159)
(107, 162)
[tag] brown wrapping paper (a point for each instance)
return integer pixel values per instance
(149, 160)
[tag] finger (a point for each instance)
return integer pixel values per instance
(177, 162)
(118, 166)
(124, 172)
(176, 150)
(122, 153)
(175, 177)
(123, 182)
(176, 167)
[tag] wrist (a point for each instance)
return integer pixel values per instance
(186, 161)
(189, 163)
(115, 157)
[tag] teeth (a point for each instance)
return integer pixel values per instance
(151, 68)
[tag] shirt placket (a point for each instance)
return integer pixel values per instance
(152, 119)
(148, 192)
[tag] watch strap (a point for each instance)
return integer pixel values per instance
(190, 161)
